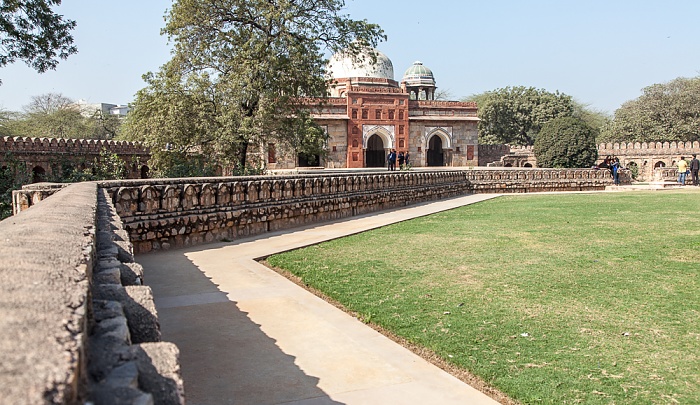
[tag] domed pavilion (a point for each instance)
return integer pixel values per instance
(370, 114)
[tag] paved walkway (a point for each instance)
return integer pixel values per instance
(249, 336)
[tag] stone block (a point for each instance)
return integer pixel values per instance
(159, 371)
(139, 309)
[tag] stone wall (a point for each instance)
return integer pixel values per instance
(648, 158)
(45, 156)
(77, 324)
(160, 214)
(489, 154)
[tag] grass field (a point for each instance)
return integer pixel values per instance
(575, 298)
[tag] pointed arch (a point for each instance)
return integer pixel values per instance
(386, 132)
(445, 134)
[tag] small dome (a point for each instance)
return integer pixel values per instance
(342, 65)
(418, 75)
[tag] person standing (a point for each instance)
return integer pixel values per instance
(616, 171)
(682, 170)
(405, 156)
(694, 168)
(392, 160)
(401, 160)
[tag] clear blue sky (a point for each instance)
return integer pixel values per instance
(601, 52)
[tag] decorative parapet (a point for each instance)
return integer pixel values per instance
(442, 104)
(637, 148)
(160, 214)
(23, 145)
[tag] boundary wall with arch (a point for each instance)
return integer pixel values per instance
(50, 156)
(654, 161)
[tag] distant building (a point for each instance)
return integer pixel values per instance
(89, 109)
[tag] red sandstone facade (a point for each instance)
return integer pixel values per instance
(369, 114)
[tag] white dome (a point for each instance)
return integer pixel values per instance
(342, 65)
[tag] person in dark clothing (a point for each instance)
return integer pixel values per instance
(694, 168)
(406, 158)
(392, 160)
(401, 160)
(616, 171)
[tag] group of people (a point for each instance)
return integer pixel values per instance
(403, 159)
(612, 163)
(685, 169)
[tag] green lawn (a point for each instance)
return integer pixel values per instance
(571, 298)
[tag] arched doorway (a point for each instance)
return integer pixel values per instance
(435, 154)
(38, 174)
(144, 172)
(374, 155)
(659, 164)
(309, 160)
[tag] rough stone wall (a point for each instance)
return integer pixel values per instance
(73, 329)
(492, 153)
(160, 214)
(47, 153)
(650, 157)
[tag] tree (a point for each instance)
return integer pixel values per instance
(566, 142)
(237, 72)
(515, 115)
(32, 32)
(664, 112)
(595, 119)
(444, 94)
(54, 115)
(49, 103)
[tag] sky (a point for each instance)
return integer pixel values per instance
(601, 52)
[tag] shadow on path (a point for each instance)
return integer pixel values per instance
(225, 357)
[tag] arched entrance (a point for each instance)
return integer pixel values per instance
(374, 155)
(435, 154)
(309, 160)
(38, 174)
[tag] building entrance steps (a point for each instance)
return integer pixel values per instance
(247, 335)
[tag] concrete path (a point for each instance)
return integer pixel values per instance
(249, 336)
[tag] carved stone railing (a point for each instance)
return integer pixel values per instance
(160, 214)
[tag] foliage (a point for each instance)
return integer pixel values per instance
(237, 71)
(32, 32)
(664, 112)
(515, 115)
(308, 138)
(15, 174)
(548, 297)
(566, 142)
(595, 119)
(54, 115)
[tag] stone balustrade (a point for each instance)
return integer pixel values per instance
(160, 214)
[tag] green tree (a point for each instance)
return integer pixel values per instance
(31, 31)
(238, 69)
(595, 119)
(566, 142)
(515, 115)
(664, 112)
(54, 115)
(50, 115)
